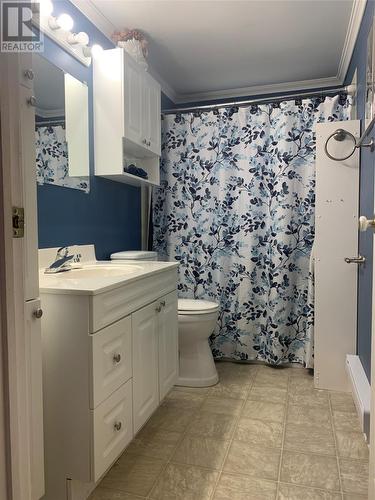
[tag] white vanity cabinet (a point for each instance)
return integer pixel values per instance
(108, 360)
(127, 121)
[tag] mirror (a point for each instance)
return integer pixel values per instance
(61, 127)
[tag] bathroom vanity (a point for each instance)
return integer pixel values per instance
(110, 355)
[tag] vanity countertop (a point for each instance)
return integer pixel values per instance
(101, 276)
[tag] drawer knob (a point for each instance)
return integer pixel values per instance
(117, 426)
(116, 358)
(162, 303)
(158, 308)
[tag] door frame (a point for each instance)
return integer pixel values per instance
(12, 283)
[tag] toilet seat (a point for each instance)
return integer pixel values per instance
(195, 307)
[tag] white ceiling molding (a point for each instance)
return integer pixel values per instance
(356, 17)
(260, 89)
(358, 8)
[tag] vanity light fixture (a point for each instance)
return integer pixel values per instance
(80, 38)
(45, 8)
(94, 51)
(64, 22)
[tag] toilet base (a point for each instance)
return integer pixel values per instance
(198, 382)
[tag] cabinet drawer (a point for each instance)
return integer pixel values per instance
(111, 360)
(112, 428)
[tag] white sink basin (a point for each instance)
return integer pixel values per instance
(99, 271)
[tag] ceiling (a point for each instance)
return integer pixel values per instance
(201, 49)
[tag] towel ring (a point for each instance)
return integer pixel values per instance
(339, 135)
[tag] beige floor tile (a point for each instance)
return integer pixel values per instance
(277, 371)
(309, 438)
(346, 421)
(200, 451)
(202, 391)
(231, 487)
(271, 379)
(299, 372)
(133, 474)
(310, 470)
(310, 397)
(170, 419)
(351, 445)
(184, 400)
(259, 432)
(354, 496)
(265, 393)
(291, 492)
(261, 410)
(237, 390)
(342, 401)
(309, 415)
(301, 385)
(156, 443)
(236, 373)
(182, 482)
(227, 406)
(260, 462)
(214, 425)
(354, 476)
(107, 494)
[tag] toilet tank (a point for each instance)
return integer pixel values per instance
(135, 255)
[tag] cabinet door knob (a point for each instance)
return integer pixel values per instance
(31, 101)
(117, 426)
(38, 313)
(29, 74)
(117, 358)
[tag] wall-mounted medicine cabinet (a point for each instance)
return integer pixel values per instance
(126, 119)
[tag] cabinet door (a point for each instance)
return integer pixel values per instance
(133, 100)
(35, 403)
(151, 114)
(145, 364)
(154, 116)
(168, 343)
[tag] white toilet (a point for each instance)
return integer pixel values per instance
(196, 322)
(135, 255)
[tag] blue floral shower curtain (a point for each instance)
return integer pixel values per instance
(236, 210)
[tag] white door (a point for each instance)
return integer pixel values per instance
(145, 364)
(336, 238)
(168, 344)
(133, 100)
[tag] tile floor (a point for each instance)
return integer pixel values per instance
(261, 433)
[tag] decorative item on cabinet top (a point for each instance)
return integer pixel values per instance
(127, 121)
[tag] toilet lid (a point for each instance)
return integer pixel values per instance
(193, 306)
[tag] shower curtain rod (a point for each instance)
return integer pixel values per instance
(348, 89)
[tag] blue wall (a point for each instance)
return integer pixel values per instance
(358, 63)
(109, 216)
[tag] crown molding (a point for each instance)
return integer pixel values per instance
(358, 8)
(259, 89)
(354, 25)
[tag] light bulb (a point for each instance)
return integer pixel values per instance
(80, 38)
(96, 50)
(65, 22)
(45, 8)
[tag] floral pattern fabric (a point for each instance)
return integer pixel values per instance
(52, 159)
(236, 210)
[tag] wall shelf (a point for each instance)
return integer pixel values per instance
(131, 179)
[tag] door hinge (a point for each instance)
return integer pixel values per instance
(18, 218)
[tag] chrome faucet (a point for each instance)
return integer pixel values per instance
(61, 262)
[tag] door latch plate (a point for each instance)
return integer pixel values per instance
(18, 221)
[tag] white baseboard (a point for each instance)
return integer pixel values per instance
(361, 391)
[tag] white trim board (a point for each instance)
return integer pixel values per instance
(358, 9)
(361, 391)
